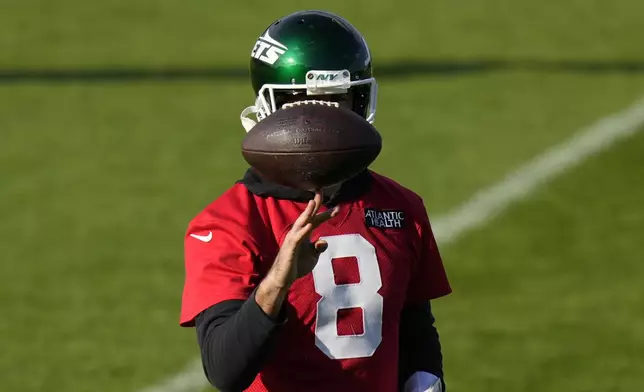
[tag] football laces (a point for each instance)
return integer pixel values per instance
(310, 102)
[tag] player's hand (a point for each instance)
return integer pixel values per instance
(296, 258)
(298, 255)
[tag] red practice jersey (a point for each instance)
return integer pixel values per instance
(343, 318)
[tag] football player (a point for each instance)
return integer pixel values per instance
(295, 291)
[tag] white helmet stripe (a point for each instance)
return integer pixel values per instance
(266, 37)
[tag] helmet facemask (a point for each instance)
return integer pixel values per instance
(329, 87)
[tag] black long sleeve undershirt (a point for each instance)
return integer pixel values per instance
(420, 347)
(236, 336)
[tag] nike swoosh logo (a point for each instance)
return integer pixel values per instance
(204, 238)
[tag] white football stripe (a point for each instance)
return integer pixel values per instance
(489, 202)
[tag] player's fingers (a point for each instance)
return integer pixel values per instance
(321, 218)
(320, 246)
(317, 199)
(297, 236)
(305, 216)
(324, 216)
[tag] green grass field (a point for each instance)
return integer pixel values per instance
(98, 180)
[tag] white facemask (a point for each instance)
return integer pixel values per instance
(317, 83)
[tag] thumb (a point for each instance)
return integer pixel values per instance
(320, 246)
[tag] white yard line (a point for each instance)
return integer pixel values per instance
(489, 202)
(190, 379)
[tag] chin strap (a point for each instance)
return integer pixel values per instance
(248, 123)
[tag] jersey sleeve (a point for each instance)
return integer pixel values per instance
(429, 280)
(220, 265)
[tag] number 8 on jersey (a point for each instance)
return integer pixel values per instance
(363, 295)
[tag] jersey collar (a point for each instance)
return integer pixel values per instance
(350, 190)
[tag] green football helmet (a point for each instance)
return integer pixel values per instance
(311, 57)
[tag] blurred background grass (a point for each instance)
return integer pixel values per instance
(99, 176)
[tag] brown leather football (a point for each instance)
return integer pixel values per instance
(311, 146)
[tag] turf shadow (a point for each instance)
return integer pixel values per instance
(398, 70)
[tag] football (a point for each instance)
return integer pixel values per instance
(311, 146)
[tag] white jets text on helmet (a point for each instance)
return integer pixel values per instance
(268, 50)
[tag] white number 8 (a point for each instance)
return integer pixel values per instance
(363, 294)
